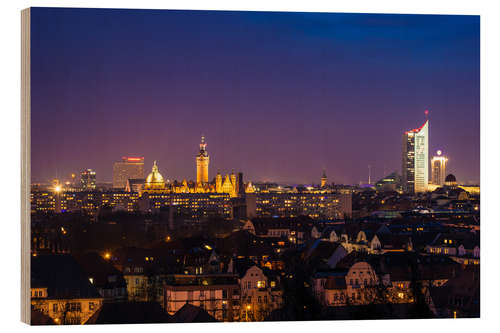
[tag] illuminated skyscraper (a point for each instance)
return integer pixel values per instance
(127, 168)
(202, 161)
(87, 179)
(415, 168)
(438, 164)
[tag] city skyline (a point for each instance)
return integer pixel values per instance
(252, 97)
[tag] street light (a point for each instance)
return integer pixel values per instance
(246, 311)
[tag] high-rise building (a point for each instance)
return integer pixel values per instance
(202, 161)
(438, 164)
(87, 179)
(127, 168)
(415, 168)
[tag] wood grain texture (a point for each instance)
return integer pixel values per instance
(25, 166)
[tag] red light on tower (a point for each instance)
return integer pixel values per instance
(132, 159)
(426, 114)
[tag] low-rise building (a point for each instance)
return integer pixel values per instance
(61, 290)
(218, 294)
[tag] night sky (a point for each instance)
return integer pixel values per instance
(279, 96)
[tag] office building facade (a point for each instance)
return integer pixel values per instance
(415, 168)
(88, 180)
(127, 168)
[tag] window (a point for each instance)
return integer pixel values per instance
(74, 306)
(54, 307)
(224, 293)
(350, 282)
(259, 299)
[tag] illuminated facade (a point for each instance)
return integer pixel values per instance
(230, 184)
(323, 179)
(87, 179)
(202, 162)
(154, 181)
(438, 164)
(415, 168)
(189, 206)
(86, 201)
(127, 168)
(219, 294)
(314, 205)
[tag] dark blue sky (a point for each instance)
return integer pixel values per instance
(278, 96)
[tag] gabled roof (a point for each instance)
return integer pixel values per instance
(101, 271)
(390, 241)
(241, 266)
(62, 276)
(243, 243)
(466, 287)
(192, 314)
(467, 239)
(335, 283)
(130, 313)
(321, 250)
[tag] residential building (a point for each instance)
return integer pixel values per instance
(67, 297)
(218, 294)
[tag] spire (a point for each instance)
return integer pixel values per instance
(203, 146)
(155, 167)
(324, 173)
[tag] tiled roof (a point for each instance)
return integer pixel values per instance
(62, 276)
(192, 314)
(130, 313)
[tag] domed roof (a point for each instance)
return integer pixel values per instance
(154, 178)
(450, 179)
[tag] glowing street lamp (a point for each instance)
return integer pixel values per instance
(248, 307)
(107, 255)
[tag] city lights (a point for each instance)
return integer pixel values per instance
(136, 215)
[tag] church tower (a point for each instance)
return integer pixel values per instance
(218, 183)
(323, 179)
(202, 161)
